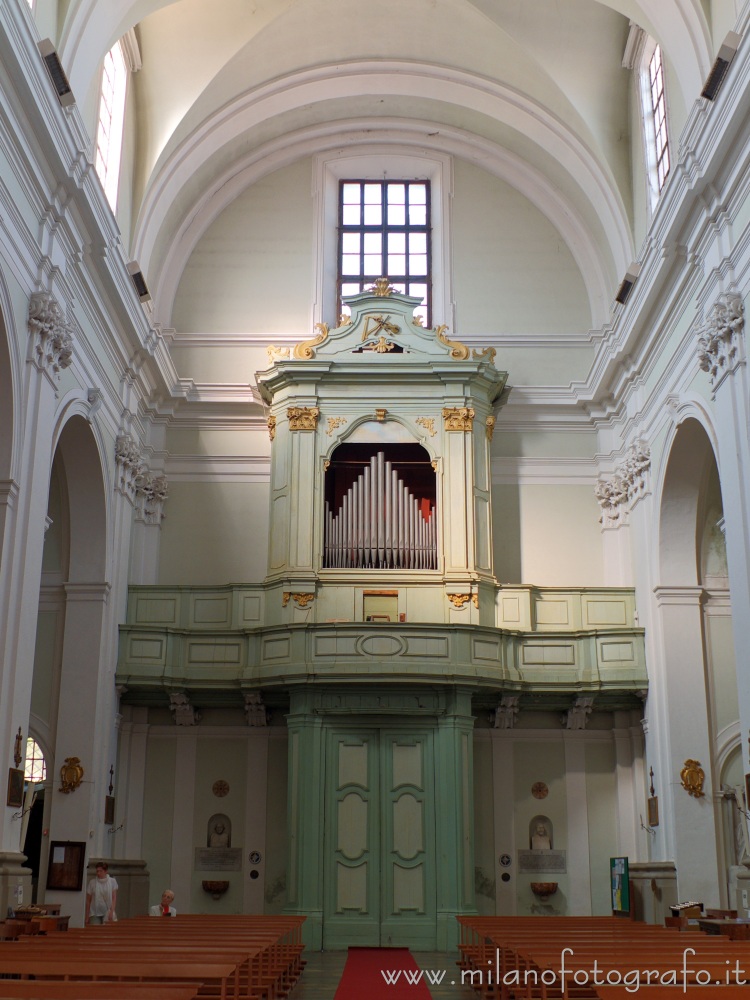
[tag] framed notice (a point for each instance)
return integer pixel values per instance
(66, 859)
(15, 788)
(620, 885)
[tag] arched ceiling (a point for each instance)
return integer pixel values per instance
(533, 91)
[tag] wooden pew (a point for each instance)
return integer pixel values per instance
(59, 989)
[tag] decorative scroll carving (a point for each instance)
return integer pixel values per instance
(459, 600)
(719, 338)
(383, 346)
(277, 354)
(629, 483)
(303, 418)
(428, 423)
(182, 711)
(151, 491)
(458, 418)
(692, 777)
(271, 422)
(129, 462)
(306, 350)
(285, 598)
(506, 712)
(52, 342)
(334, 423)
(255, 710)
(459, 351)
(488, 354)
(490, 427)
(578, 716)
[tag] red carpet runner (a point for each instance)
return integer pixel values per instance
(381, 974)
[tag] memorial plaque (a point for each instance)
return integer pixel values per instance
(542, 862)
(218, 859)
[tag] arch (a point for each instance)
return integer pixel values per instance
(8, 386)
(402, 138)
(180, 166)
(689, 460)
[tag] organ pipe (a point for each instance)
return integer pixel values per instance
(380, 524)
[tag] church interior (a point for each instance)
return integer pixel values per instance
(375, 458)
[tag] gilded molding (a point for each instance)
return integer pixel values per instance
(303, 418)
(277, 354)
(459, 600)
(459, 351)
(490, 427)
(458, 418)
(285, 598)
(380, 414)
(475, 600)
(692, 777)
(306, 350)
(271, 422)
(52, 341)
(428, 423)
(302, 600)
(334, 423)
(720, 337)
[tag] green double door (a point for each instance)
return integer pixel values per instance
(379, 841)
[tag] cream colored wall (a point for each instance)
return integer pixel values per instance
(215, 533)
(513, 273)
(547, 535)
(252, 271)
(601, 806)
(158, 811)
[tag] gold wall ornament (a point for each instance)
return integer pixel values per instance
(433, 463)
(380, 413)
(285, 598)
(459, 351)
(475, 600)
(302, 600)
(458, 418)
(428, 423)
(459, 600)
(326, 465)
(693, 776)
(334, 423)
(490, 425)
(383, 346)
(71, 774)
(382, 287)
(277, 354)
(303, 418)
(375, 325)
(488, 354)
(17, 753)
(345, 319)
(271, 427)
(418, 321)
(306, 350)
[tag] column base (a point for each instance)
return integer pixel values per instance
(15, 881)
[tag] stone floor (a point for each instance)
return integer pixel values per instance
(324, 968)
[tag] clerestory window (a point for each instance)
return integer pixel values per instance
(659, 115)
(111, 124)
(384, 231)
(35, 768)
(655, 117)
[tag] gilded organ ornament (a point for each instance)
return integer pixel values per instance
(271, 427)
(303, 418)
(428, 423)
(692, 777)
(459, 351)
(380, 414)
(459, 600)
(488, 354)
(382, 288)
(334, 423)
(277, 354)
(306, 350)
(301, 600)
(458, 418)
(490, 425)
(71, 774)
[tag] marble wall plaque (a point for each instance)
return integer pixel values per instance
(542, 862)
(218, 859)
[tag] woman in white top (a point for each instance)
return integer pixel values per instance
(101, 897)
(165, 908)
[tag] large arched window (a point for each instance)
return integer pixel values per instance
(111, 122)
(35, 769)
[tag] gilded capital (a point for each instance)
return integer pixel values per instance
(303, 418)
(458, 418)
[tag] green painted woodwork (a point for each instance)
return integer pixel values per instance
(383, 851)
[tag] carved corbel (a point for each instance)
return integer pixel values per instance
(577, 716)
(506, 712)
(182, 711)
(255, 710)
(51, 337)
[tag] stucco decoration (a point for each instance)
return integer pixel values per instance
(506, 712)
(129, 462)
(577, 716)
(151, 491)
(720, 337)
(628, 484)
(182, 711)
(52, 340)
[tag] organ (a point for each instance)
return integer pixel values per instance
(380, 468)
